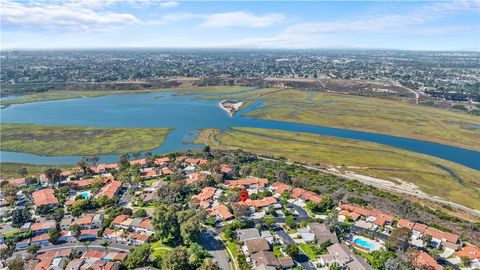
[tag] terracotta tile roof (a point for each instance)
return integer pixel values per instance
(205, 196)
(348, 207)
(94, 254)
(149, 173)
(41, 237)
(98, 168)
(56, 253)
(424, 259)
(44, 197)
(43, 264)
(419, 227)
(119, 219)
(116, 256)
(223, 211)
(166, 171)
(180, 159)
(139, 162)
(259, 203)
(306, 195)
(196, 161)
(83, 183)
(344, 213)
(110, 189)
(354, 215)
(260, 182)
(471, 252)
(145, 224)
(280, 187)
(297, 192)
(225, 168)
(42, 225)
(161, 161)
(85, 220)
(405, 223)
(437, 234)
(450, 237)
(196, 178)
(89, 231)
(138, 237)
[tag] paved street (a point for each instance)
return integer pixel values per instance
(302, 259)
(216, 248)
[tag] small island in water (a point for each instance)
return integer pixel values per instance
(231, 106)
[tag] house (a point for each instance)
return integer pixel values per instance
(418, 229)
(196, 178)
(44, 197)
(138, 239)
(226, 169)
(115, 256)
(66, 236)
(255, 184)
(286, 262)
(83, 222)
(267, 236)
(89, 234)
(322, 233)
(82, 184)
(149, 173)
(305, 195)
(17, 182)
(204, 198)
(117, 236)
(223, 212)
(118, 220)
(306, 235)
(256, 245)
(439, 236)
(341, 254)
(423, 259)
(247, 234)
(405, 223)
(41, 240)
(94, 254)
(56, 253)
(472, 253)
(42, 227)
(75, 264)
(23, 244)
(111, 189)
(166, 171)
(142, 225)
(139, 162)
(261, 203)
(280, 188)
(265, 258)
(161, 161)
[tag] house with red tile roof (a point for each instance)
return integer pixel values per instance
(17, 182)
(264, 202)
(89, 234)
(44, 197)
(42, 227)
(166, 171)
(119, 219)
(150, 173)
(115, 256)
(252, 183)
(472, 253)
(111, 189)
(204, 198)
(139, 162)
(95, 254)
(161, 161)
(305, 195)
(280, 188)
(405, 223)
(196, 178)
(41, 240)
(225, 169)
(423, 259)
(223, 212)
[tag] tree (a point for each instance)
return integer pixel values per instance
(138, 257)
(165, 221)
(331, 221)
(53, 234)
(140, 213)
(76, 211)
(282, 176)
(290, 222)
(198, 254)
(177, 259)
(400, 238)
(209, 264)
(10, 192)
(16, 263)
(53, 175)
(33, 249)
(106, 244)
(292, 250)
(75, 229)
(393, 264)
(20, 217)
(22, 171)
(58, 214)
(191, 229)
(334, 266)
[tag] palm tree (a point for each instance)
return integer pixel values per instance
(106, 244)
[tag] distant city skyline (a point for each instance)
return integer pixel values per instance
(425, 25)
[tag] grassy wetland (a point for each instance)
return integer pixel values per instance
(429, 174)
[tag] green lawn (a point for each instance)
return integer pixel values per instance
(9, 170)
(75, 140)
(11, 233)
(307, 248)
(277, 252)
(428, 173)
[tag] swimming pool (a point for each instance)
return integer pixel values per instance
(84, 195)
(365, 244)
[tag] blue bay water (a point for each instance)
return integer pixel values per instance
(186, 115)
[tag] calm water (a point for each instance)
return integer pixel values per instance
(187, 115)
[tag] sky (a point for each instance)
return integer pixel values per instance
(406, 25)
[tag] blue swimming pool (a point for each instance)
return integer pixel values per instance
(84, 195)
(366, 244)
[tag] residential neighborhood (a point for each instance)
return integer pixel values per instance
(150, 212)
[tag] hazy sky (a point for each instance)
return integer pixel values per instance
(445, 25)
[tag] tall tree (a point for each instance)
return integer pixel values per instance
(209, 264)
(138, 257)
(400, 238)
(53, 175)
(177, 259)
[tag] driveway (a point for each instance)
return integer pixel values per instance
(302, 259)
(216, 248)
